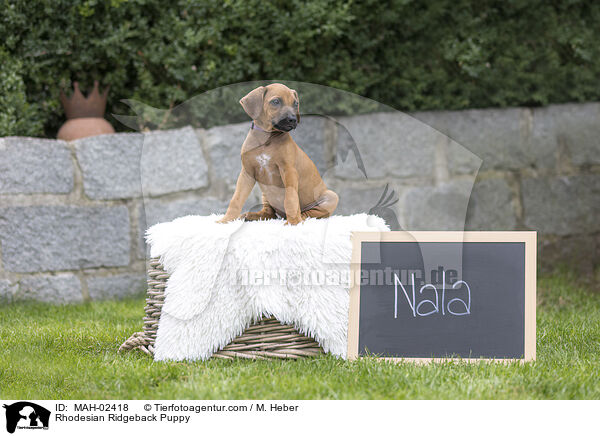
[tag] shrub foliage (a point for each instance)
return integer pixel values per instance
(409, 54)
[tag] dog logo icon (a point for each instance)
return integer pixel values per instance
(26, 415)
(383, 208)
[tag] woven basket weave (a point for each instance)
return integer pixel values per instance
(265, 339)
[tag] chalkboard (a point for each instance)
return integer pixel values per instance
(430, 295)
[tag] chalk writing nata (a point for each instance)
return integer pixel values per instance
(455, 306)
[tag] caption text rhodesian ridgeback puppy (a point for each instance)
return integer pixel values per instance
(290, 183)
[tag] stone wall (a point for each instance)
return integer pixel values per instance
(73, 215)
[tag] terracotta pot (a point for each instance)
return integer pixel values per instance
(84, 127)
(84, 115)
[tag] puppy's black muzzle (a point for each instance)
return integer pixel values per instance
(286, 124)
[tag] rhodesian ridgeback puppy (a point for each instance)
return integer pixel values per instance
(290, 182)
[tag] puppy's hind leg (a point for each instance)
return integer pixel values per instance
(267, 212)
(324, 208)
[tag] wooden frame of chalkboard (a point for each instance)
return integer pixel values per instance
(525, 238)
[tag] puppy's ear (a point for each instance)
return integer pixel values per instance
(253, 102)
(298, 107)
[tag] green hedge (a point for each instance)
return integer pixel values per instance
(411, 55)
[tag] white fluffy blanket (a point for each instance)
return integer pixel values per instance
(224, 276)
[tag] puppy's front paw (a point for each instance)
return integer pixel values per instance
(225, 219)
(294, 220)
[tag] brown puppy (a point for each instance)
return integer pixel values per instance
(290, 183)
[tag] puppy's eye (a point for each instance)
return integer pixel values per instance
(295, 103)
(275, 102)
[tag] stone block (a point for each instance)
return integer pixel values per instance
(111, 165)
(8, 291)
(347, 162)
(310, 137)
(141, 252)
(55, 238)
(460, 160)
(357, 199)
(500, 137)
(442, 207)
(576, 126)
(224, 146)
(56, 289)
(390, 144)
(562, 205)
(33, 165)
(172, 161)
(116, 286)
(490, 206)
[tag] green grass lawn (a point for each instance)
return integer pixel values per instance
(70, 352)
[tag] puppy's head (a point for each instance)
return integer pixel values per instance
(273, 107)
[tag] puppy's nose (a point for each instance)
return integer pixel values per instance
(291, 119)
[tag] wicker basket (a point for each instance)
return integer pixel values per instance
(266, 339)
